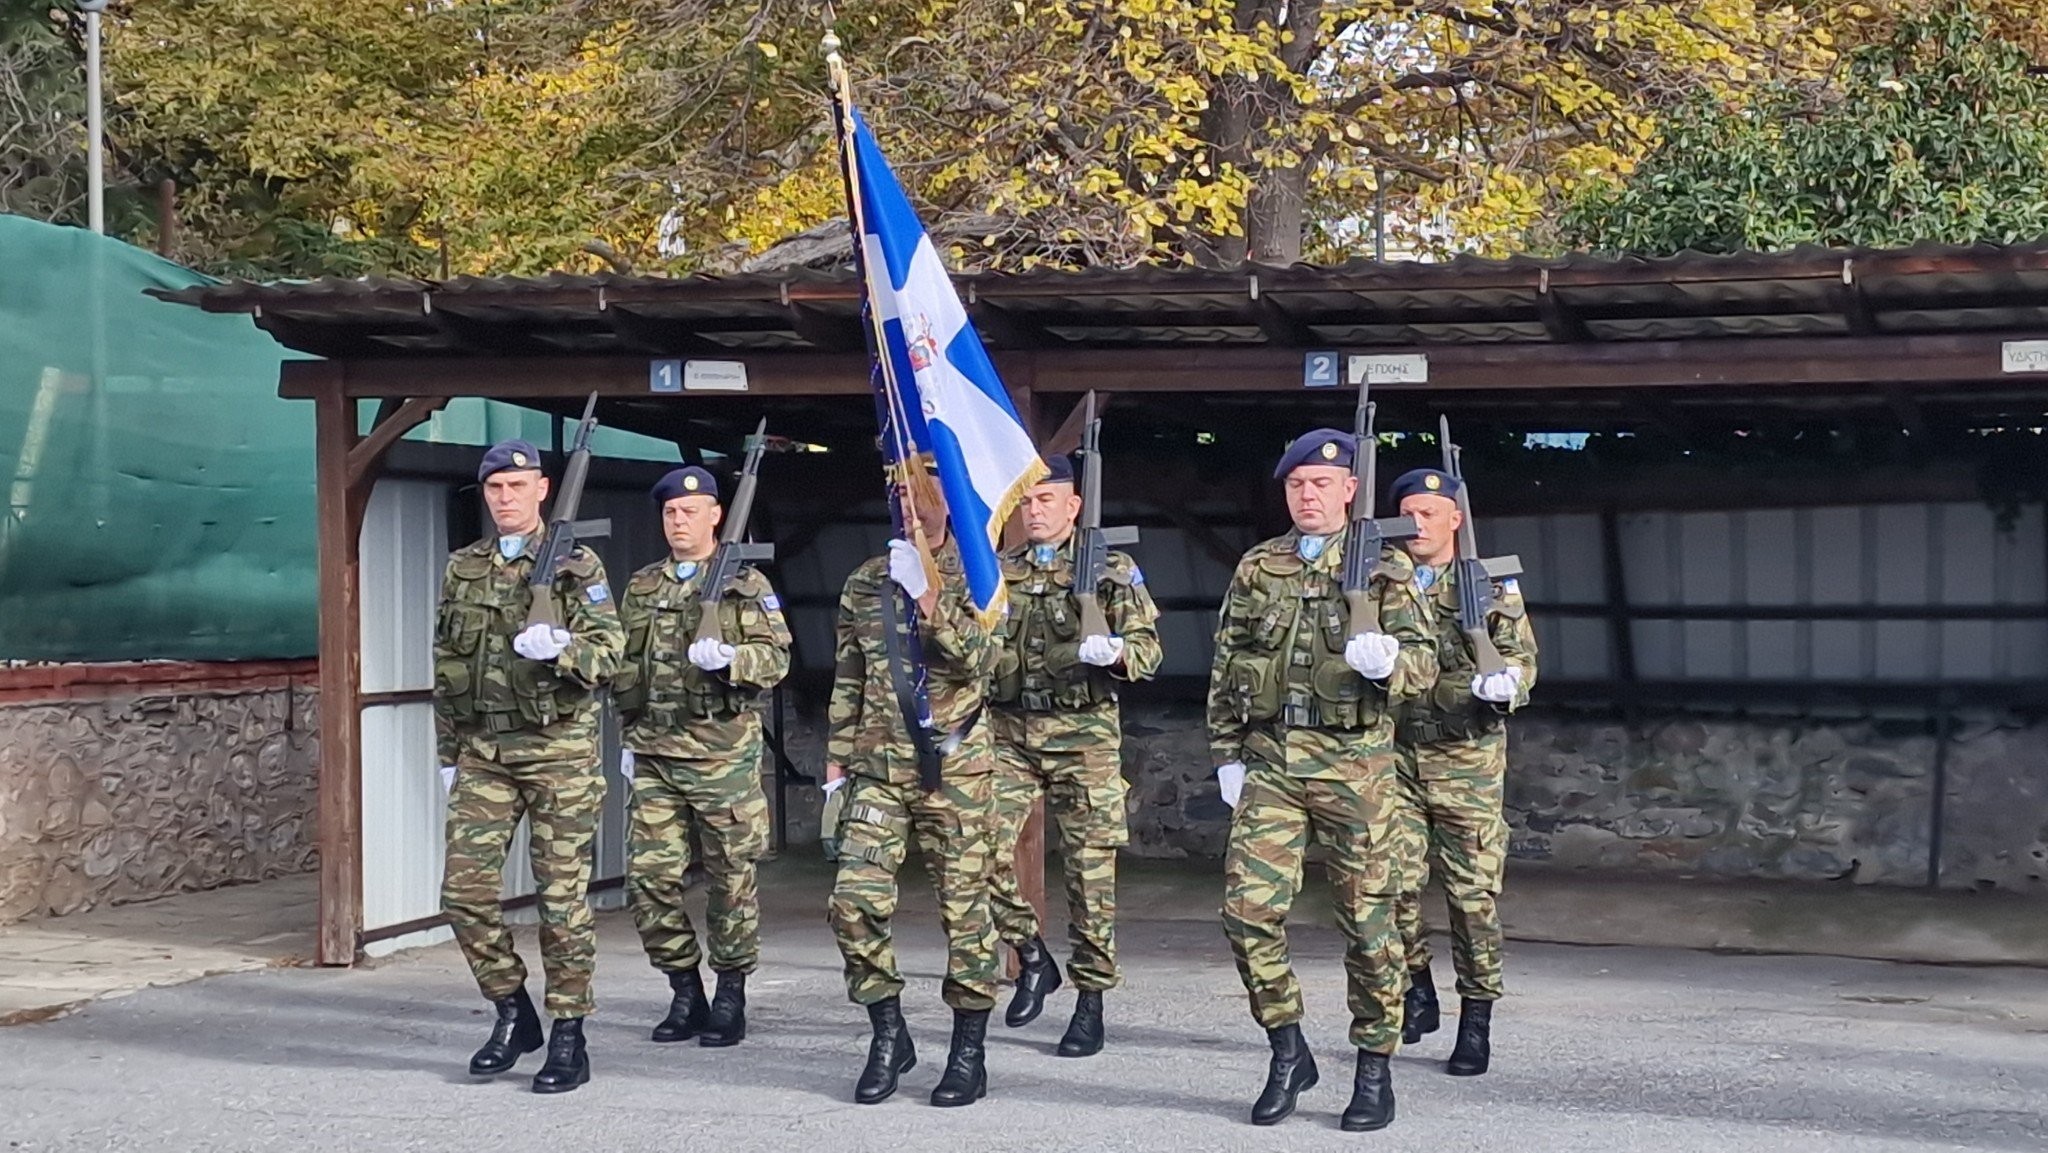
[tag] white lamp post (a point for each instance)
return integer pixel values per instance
(95, 176)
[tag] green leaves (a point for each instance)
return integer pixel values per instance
(1938, 132)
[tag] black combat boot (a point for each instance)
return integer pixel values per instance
(516, 1034)
(1037, 976)
(1475, 1039)
(1084, 1031)
(568, 1065)
(1293, 1070)
(686, 1010)
(1420, 1014)
(890, 1054)
(965, 1080)
(1372, 1095)
(727, 1024)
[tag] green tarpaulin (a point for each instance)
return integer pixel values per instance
(159, 493)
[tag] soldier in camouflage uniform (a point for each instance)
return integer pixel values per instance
(693, 740)
(1453, 745)
(1058, 735)
(516, 714)
(1302, 733)
(887, 810)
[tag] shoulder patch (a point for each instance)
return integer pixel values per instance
(771, 602)
(597, 593)
(1137, 575)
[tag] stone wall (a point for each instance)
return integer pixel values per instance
(1712, 797)
(139, 793)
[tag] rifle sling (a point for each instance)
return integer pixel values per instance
(906, 695)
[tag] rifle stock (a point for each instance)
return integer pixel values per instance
(564, 530)
(1475, 574)
(1091, 556)
(734, 550)
(1368, 534)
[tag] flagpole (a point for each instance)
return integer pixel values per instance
(892, 391)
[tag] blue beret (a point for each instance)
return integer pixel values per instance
(1060, 470)
(1423, 482)
(691, 481)
(507, 455)
(1325, 446)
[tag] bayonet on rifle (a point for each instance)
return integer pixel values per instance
(564, 531)
(1368, 535)
(1091, 550)
(1475, 574)
(734, 549)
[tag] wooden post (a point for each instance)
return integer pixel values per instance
(345, 469)
(341, 800)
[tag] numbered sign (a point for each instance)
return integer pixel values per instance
(1319, 370)
(665, 376)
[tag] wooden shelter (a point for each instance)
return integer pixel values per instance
(1911, 338)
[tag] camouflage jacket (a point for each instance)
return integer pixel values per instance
(1280, 693)
(1447, 710)
(492, 701)
(1040, 668)
(868, 736)
(671, 707)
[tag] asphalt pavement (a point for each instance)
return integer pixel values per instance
(1608, 1048)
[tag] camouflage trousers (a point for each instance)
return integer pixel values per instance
(1277, 816)
(720, 803)
(1074, 761)
(1452, 826)
(561, 802)
(950, 828)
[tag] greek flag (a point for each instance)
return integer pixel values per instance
(956, 407)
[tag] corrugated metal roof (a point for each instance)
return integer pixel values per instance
(1466, 300)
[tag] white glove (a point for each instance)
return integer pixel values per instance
(540, 642)
(626, 764)
(1499, 687)
(1102, 651)
(447, 778)
(1371, 655)
(710, 655)
(1230, 782)
(906, 568)
(833, 786)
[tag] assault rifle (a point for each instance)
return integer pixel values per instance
(734, 549)
(1091, 551)
(1368, 535)
(1475, 575)
(564, 531)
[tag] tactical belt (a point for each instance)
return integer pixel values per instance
(504, 722)
(1307, 713)
(1438, 730)
(906, 696)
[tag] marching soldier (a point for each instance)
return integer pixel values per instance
(870, 745)
(693, 735)
(1058, 735)
(1302, 733)
(517, 720)
(1453, 745)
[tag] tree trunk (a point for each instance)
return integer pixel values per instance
(1275, 217)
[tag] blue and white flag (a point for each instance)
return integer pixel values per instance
(955, 404)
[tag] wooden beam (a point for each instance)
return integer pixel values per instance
(1563, 325)
(1066, 439)
(339, 507)
(652, 335)
(476, 334)
(826, 331)
(1278, 325)
(391, 425)
(1004, 328)
(1778, 364)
